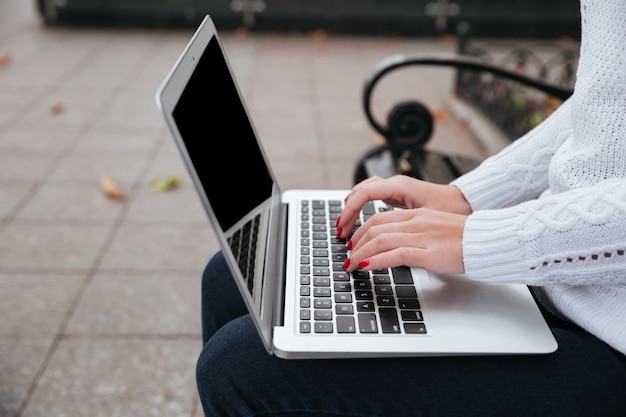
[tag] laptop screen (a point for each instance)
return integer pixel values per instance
(213, 123)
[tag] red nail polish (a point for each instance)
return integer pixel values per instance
(347, 197)
(339, 230)
(346, 264)
(364, 263)
(349, 245)
(337, 222)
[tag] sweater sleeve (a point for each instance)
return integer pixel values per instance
(520, 171)
(576, 237)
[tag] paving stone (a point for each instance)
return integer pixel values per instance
(118, 378)
(22, 358)
(33, 305)
(50, 246)
(135, 304)
(158, 247)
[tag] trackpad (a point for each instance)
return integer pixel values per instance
(448, 278)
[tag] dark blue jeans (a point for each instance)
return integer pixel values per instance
(237, 377)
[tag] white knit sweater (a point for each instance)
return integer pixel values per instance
(550, 210)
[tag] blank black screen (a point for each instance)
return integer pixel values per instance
(220, 140)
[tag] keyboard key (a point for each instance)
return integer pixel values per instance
(406, 291)
(360, 274)
(365, 306)
(321, 282)
(368, 208)
(409, 303)
(320, 253)
(345, 324)
(364, 295)
(343, 309)
(323, 315)
(389, 320)
(415, 328)
(324, 327)
(339, 257)
(383, 290)
(320, 271)
(367, 323)
(343, 297)
(361, 284)
(385, 300)
(321, 292)
(381, 279)
(321, 262)
(322, 303)
(402, 275)
(412, 315)
(341, 276)
(342, 287)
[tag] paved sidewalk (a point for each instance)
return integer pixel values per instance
(99, 298)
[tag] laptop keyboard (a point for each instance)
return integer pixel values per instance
(243, 243)
(362, 302)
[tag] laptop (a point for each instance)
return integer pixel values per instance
(286, 260)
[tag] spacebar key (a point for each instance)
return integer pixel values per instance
(389, 320)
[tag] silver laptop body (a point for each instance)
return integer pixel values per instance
(298, 302)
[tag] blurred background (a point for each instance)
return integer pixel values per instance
(517, 18)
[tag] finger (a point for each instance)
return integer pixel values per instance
(412, 257)
(393, 237)
(401, 256)
(353, 204)
(395, 219)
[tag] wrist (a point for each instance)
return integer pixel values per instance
(452, 200)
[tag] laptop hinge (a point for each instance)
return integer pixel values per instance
(281, 251)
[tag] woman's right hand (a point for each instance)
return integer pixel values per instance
(400, 191)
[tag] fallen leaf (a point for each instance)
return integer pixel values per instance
(57, 108)
(161, 185)
(6, 59)
(242, 32)
(440, 115)
(318, 34)
(380, 139)
(111, 190)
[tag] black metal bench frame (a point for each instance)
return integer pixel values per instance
(410, 123)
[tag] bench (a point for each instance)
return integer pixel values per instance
(512, 90)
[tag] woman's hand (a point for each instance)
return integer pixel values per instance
(428, 234)
(424, 238)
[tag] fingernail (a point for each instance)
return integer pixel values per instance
(349, 245)
(347, 197)
(339, 230)
(346, 264)
(337, 222)
(364, 263)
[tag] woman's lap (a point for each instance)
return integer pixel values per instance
(236, 376)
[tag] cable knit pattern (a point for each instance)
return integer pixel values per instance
(550, 210)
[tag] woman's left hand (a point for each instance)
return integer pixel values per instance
(421, 237)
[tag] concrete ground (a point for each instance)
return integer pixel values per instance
(99, 298)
